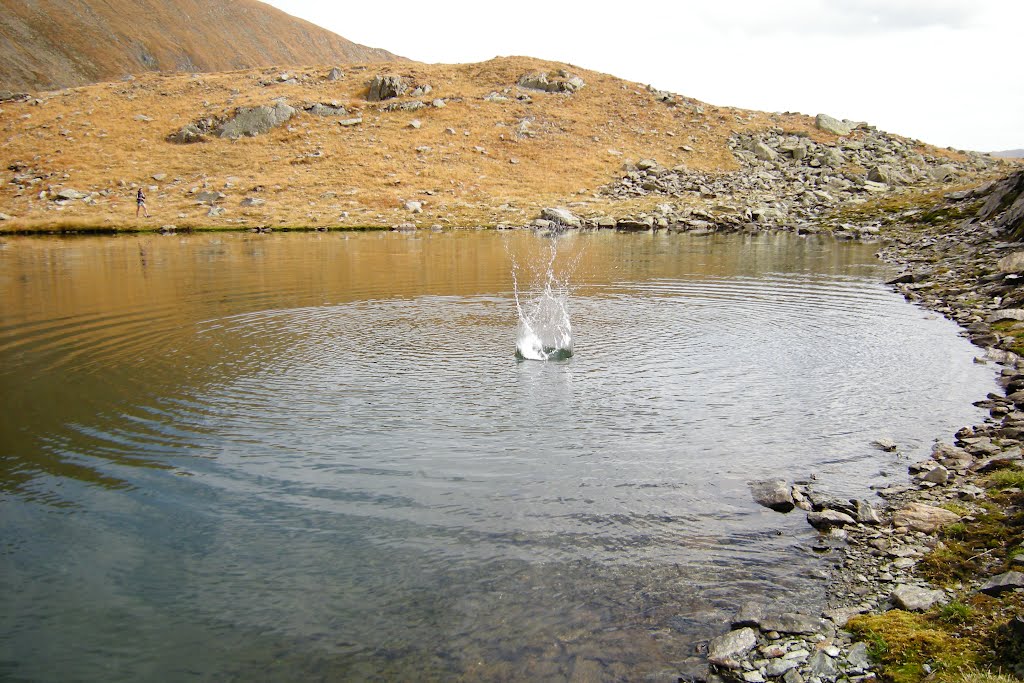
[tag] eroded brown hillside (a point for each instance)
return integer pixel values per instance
(481, 150)
(46, 44)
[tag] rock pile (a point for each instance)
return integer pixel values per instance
(243, 122)
(551, 81)
(790, 181)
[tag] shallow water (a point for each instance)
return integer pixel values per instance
(316, 456)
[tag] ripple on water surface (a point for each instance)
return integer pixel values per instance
(324, 448)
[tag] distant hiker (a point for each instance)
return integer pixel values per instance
(140, 204)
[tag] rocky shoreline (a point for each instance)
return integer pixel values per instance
(966, 267)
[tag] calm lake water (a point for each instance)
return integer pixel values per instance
(316, 457)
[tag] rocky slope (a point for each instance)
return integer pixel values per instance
(48, 44)
(503, 143)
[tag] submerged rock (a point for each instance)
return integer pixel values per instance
(775, 494)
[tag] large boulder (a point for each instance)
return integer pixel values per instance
(386, 86)
(833, 125)
(775, 494)
(561, 216)
(252, 121)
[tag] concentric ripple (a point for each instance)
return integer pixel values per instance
(319, 453)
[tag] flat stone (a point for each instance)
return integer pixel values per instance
(561, 216)
(778, 667)
(1004, 582)
(793, 622)
(826, 519)
(924, 518)
(728, 649)
(915, 598)
(857, 657)
(1006, 314)
(840, 615)
(821, 665)
(749, 614)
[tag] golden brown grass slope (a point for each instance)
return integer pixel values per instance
(471, 162)
(46, 44)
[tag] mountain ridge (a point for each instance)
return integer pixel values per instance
(53, 44)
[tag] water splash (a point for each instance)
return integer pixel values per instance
(545, 331)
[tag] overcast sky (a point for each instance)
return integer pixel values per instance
(943, 71)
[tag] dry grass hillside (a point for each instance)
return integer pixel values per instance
(470, 162)
(47, 44)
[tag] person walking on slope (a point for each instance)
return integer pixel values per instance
(140, 204)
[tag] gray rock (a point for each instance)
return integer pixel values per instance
(208, 197)
(793, 622)
(189, 133)
(1008, 581)
(773, 493)
(826, 519)
(822, 666)
(840, 615)
(1006, 314)
(253, 201)
(833, 125)
(69, 195)
(935, 475)
(763, 151)
(216, 211)
(386, 87)
(414, 206)
(728, 649)
(548, 81)
(249, 122)
(778, 667)
(944, 173)
(857, 656)
(915, 598)
(887, 445)
(335, 74)
(865, 514)
(321, 109)
(793, 676)
(749, 614)
(348, 123)
(561, 216)
(1013, 263)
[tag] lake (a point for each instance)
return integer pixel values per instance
(316, 456)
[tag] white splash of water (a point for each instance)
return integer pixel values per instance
(545, 331)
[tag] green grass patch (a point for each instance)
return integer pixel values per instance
(955, 612)
(1011, 477)
(907, 647)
